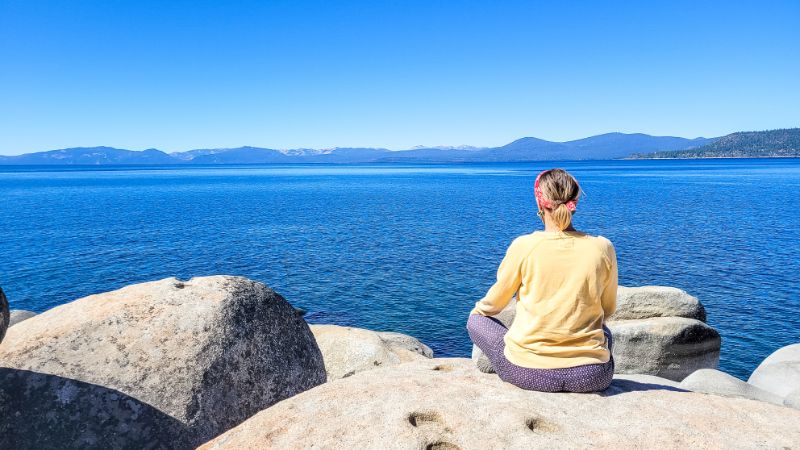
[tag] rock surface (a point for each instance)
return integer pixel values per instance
(793, 399)
(668, 347)
(403, 343)
(348, 350)
(18, 315)
(644, 302)
(645, 379)
(711, 381)
(658, 330)
(448, 404)
(166, 364)
(506, 317)
(4, 315)
(780, 372)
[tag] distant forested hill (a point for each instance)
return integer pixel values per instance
(745, 144)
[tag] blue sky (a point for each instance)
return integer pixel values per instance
(288, 74)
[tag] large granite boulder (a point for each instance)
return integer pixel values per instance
(4, 315)
(448, 404)
(644, 302)
(780, 372)
(348, 350)
(711, 381)
(18, 315)
(165, 364)
(668, 347)
(657, 330)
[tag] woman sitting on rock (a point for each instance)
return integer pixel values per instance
(566, 286)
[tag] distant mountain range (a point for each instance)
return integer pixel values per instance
(604, 146)
(746, 144)
(750, 144)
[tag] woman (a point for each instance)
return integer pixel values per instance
(566, 286)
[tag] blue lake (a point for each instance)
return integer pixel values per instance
(409, 248)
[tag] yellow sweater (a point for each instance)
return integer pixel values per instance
(567, 283)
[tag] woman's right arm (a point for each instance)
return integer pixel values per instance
(509, 279)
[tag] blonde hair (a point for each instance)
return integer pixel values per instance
(559, 187)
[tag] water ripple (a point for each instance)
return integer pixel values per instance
(409, 248)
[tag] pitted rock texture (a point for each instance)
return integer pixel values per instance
(165, 364)
(348, 350)
(449, 404)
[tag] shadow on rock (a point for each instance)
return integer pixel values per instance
(619, 386)
(44, 411)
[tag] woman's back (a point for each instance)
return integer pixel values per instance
(567, 287)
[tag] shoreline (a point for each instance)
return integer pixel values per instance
(716, 157)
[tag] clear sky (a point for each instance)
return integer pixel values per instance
(177, 75)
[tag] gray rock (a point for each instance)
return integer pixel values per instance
(710, 381)
(644, 302)
(18, 315)
(481, 361)
(668, 347)
(506, 317)
(398, 342)
(4, 315)
(166, 364)
(448, 404)
(657, 330)
(348, 350)
(793, 399)
(43, 411)
(621, 378)
(780, 372)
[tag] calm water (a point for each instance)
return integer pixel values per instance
(409, 248)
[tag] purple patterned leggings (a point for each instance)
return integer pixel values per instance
(487, 333)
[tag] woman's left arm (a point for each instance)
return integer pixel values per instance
(509, 278)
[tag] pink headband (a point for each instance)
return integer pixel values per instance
(572, 205)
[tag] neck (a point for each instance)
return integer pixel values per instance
(551, 226)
